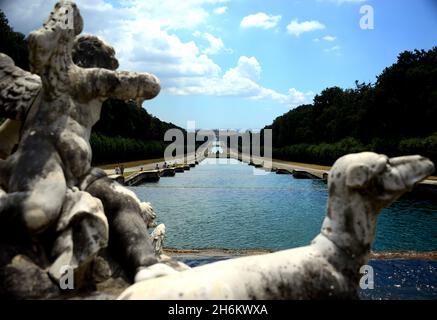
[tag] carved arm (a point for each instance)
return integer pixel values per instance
(123, 85)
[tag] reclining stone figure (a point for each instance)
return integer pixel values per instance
(360, 185)
(57, 105)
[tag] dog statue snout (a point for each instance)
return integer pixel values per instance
(412, 169)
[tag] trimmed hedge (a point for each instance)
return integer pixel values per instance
(327, 153)
(119, 149)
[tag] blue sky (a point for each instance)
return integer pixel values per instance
(241, 63)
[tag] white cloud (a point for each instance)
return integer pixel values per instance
(220, 10)
(170, 14)
(159, 52)
(297, 28)
(247, 68)
(215, 44)
(260, 20)
(333, 49)
(329, 38)
(240, 81)
(144, 35)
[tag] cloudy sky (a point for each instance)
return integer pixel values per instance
(242, 63)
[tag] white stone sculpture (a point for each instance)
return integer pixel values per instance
(58, 126)
(157, 237)
(50, 114)
(360, 185)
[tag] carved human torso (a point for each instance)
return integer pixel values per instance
(67, 122)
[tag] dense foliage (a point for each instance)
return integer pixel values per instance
(126, 119)
(396, 115)
(126, 132)
(119, 149)
(13, 43)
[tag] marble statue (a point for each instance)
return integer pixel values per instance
(360, 185)
(47, 184)
(59, 122)
(157, 237)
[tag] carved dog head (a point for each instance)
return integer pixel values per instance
(61, 27)
(379, 178)
(360, 185)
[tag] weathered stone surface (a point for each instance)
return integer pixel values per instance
(9, 136)
(18, 89)
(25, 280)
(48, 187)
(91, 52)
(360, 185)
(177, 265)
(101, 270)
(148, 214)
(157, 237)
(59, 125)
(83, 232)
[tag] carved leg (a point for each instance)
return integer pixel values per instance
(35, 193)
(29, 208)
(128, 230)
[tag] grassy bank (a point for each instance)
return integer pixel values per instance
(321, 167)
(130, 164)
(119, 149)
(305, 165)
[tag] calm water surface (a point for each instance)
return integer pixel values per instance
(222, 205)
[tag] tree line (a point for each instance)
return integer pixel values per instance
(397, 115)
(126, 132)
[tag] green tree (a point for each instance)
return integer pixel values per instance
(13, 43)
(396, 115)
